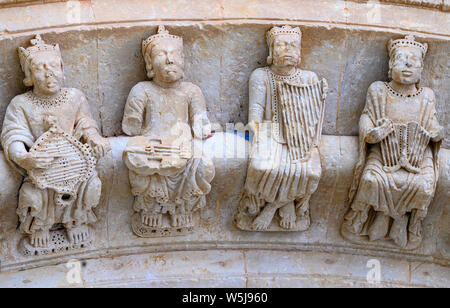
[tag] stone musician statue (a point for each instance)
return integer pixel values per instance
(50, 137)
(395, 178)
(286, 108)
(167, 117)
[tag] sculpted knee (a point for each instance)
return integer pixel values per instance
(369, 178)
(314, 175)
(426, 187)
(28, 195)
(93, 191)
(208, 170)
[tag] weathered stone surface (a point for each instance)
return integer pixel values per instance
(335, 54)
(343, 41)
(113, 234)
(231, 269)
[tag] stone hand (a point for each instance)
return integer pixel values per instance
(438, 134)
(324, 89)
(30, 161)
(253, 126)
(202, 129)
(377, 134)
(100, 145)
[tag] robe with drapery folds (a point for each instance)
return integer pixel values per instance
(166, 114)
(400, 192)
(272, 176)
(25, 121)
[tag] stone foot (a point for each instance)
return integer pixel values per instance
(263, 220)
(151, 220)
(399, 232)
(40, 238)
(288, 217)
(246, 203)
(181, 220)
(354, 221)
(379, 227)
(78, 234)
(303, 218)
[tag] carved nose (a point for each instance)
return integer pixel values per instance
(408, 62)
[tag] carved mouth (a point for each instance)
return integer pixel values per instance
(51, 82)
(407, 73)
(171, 70)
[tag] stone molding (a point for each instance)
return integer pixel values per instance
(233, 269)
(442, 5)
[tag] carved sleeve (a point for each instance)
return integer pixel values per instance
(15, 130)
(197, 106)
(436, 131)
(257, 96)
(134, 112)
(15, 127)
(372, 110)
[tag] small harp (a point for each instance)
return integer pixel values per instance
(73, 163)
(302, 109)
(404, 147)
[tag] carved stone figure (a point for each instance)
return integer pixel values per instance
(49, 136)
(395, 178)
(286, 111)
(167, 117)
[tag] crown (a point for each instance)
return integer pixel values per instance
(408, 41)
(282, 30)
(162, 34)
(37, 45)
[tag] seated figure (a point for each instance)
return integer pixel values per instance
(395, 178)
(167, 118)
(49, 136)
(286, 108)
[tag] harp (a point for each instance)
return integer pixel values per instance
(404, 147)
(302, 109)
(73, 163)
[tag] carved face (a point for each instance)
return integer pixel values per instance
(168, 61)
(286, 50)
(406, 65)
(46, 73)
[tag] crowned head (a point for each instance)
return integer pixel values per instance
(163, 55)
(284, 46)
(406, 57)
(43, 66)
